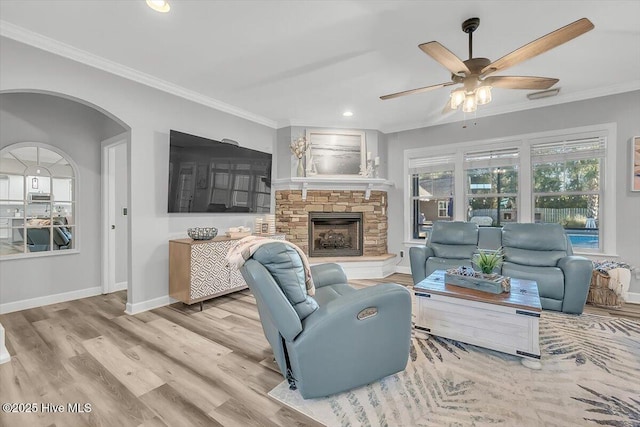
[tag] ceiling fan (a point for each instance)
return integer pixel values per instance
(475, 73)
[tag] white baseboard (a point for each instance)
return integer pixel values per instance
(403, 269)
(10, 307)
(4, 354)
(633, 298)
(121, 286)
(139, 307)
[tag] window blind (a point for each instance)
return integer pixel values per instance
(576, 149)
(492, 158)
(420, 165)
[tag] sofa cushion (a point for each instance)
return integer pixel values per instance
(550, 279)
(456, 239)
(537, 237)
(454, 233)
(534, 244)
(453, 251)
(285, 265)
(490, 238)
(533, 258)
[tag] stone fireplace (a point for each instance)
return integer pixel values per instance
(293, 216)
(335, 234)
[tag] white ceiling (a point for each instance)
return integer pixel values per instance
(305, 62)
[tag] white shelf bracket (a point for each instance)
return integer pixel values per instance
(367, 193)
(305, 186)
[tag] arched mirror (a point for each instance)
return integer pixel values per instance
(37, 200)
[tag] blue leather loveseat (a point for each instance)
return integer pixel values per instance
(540, 252)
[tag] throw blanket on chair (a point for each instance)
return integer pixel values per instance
(244, 248)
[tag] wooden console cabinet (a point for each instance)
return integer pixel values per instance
(198, 269)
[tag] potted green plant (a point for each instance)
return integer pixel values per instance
(487, 260)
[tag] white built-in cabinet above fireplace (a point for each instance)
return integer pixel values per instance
(332, 183)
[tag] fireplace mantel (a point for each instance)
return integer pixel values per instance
(332, 183)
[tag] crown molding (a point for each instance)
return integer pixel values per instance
(48, 44)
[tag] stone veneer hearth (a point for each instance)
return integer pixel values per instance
(292, 215)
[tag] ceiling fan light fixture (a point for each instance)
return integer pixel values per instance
(469, 105)
(159, 5)
(483, 95)
(457, 98)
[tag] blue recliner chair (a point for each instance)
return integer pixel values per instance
(339, 339)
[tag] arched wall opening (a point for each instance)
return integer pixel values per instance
(79, 129)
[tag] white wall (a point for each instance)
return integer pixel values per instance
(622, 109)
(150, 114)
(76, 130)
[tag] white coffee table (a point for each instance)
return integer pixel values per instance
(506, 322)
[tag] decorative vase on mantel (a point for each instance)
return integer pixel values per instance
(298, 148)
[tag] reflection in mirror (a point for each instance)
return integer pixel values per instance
(37, 200)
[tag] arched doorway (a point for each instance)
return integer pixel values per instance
(78, 128)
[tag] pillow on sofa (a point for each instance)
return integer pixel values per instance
(285, 265)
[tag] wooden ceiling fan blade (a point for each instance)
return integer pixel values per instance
(520, 82)
(541, 45)
(445, 57)
(419, 90)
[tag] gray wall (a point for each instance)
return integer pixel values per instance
(622, 109)
(150, 113)
(77, 130)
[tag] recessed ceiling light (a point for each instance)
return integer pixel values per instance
(159, 5)
(347, 113)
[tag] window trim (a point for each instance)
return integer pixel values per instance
(525, 184)
(75, 201)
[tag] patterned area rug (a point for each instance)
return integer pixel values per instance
(590, 376)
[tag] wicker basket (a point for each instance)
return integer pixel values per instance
(600, 294)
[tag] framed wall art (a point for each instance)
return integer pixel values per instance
(635, 164)
(335, 152)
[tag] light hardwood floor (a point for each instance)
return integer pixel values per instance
(172, 366)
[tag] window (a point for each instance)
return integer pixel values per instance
(443, 209)
(37, 200)
(432, 189)
(566, 187)
(492, 186)
(552, 176)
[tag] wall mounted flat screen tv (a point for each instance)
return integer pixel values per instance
(213, 176)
